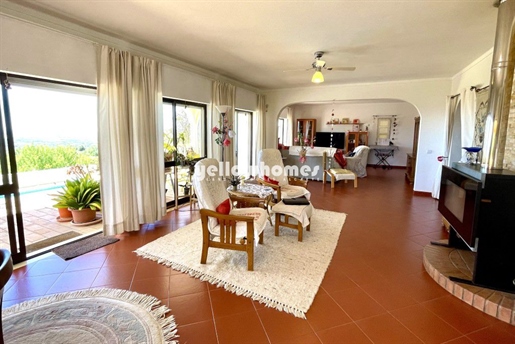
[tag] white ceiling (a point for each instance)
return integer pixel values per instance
(255, 41)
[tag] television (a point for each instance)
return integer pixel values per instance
(323, 139)
(459, 202)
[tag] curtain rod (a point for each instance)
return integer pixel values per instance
(472, 88)
(477, 89)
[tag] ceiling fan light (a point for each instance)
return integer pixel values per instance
(318, 77)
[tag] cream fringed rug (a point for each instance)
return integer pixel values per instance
(90, 317)
(287, 273)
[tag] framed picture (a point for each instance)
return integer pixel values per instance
(345, 120)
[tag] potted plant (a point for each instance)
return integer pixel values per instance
(64, 213)
(168, 149)
(186, 188)
(82, 197)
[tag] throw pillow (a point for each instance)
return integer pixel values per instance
(340, 158)
(224, 207)
(270, 180)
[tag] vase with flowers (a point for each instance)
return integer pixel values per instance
(223, 132)
(304, 145)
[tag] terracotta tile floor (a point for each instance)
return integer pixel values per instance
(375, 290)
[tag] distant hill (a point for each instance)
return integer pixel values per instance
(65, 142)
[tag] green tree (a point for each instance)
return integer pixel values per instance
(43, 157)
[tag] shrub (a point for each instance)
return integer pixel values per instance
(42, 157)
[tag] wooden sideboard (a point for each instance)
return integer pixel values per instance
(354, 139)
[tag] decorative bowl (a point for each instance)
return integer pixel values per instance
(472, 149)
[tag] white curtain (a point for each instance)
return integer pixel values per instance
(289, 127)
(481, 107)
(130, 139)
(468, 117)
(223, 94)
(451, 106)
(259, 126)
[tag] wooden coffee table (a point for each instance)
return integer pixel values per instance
(252, 195)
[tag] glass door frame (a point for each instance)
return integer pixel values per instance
(250, 138)
(10, 187)
(174, 165)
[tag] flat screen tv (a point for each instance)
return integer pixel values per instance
(323, 139)
(460, 197)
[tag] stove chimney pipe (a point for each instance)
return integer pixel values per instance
(501, 82)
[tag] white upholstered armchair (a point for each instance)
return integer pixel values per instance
(223, 226)
(272, 173)
(358, 162)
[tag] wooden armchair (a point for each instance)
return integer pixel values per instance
(248, 201)
(270, 161)
(292, 181)
(229, 228)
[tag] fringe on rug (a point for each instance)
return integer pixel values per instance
(149, 303)
(226, 285)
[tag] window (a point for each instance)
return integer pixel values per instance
(184, 139)
(243, 141)
(383, 131)
(281, 130)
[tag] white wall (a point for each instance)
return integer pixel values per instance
(476, 74)
(427, 96)
(364, 112)
(34, 50)
(51, 54)
(181, 84)
(29, 49)
(246, 100)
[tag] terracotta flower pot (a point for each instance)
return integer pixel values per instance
(84, 215)
(64, 213)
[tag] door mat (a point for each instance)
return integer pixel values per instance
(82, 246)
(51, 241)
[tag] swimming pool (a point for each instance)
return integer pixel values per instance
(38, 189)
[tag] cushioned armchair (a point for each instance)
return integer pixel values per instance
(358, 162)
(272, 173)
(223, 226)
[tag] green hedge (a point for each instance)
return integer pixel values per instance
(42, 157)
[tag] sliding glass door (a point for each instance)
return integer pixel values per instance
(184, 125)
(11, 222)
(244, 142)
(47, 128)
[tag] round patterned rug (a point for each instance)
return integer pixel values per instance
(90, 316)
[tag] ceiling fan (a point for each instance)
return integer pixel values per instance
(318, 65)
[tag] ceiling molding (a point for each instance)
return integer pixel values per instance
(47, 21)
